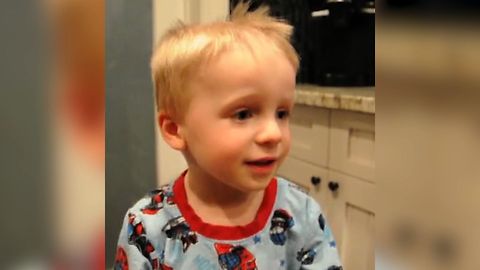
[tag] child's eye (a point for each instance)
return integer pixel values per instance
(283, 114)
(243, 114)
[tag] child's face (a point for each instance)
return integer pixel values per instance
(236, 128)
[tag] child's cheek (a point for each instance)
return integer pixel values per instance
(229, 146)
(287, 136)
(287, 145)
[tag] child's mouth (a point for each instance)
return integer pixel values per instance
(260, 163)
(261, 166)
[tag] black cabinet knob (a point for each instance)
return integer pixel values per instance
(315, 180)
(333, 186)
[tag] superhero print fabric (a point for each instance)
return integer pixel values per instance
(290, 232)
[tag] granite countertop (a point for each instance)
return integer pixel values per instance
(361, 99)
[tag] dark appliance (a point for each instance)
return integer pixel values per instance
(334, 38)
(342, 43)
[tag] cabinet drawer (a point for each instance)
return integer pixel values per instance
(352, 144)
(301, 173)
(309, 126)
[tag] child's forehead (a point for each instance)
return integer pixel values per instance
(213, 44)
(242, 54)
(240, 68)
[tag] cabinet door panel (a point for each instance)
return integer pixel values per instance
(352, 144)
(352, 208)
(309, 126)
(301, 173)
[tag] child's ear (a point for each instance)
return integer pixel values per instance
(170, 130)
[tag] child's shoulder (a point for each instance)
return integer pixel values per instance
(154, 203)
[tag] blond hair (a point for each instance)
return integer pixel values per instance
(184, 48)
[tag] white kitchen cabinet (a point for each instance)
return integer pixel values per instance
(351, 217)
(310, 126)
(352, 143)
(337, 147)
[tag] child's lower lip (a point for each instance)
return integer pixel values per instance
(261, 169)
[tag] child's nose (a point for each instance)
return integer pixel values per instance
(270, 133)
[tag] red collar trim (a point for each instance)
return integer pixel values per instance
(219, 232)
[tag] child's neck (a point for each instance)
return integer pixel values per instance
(219, 204)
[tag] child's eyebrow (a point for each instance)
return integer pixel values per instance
(237, 100)
(251, 98)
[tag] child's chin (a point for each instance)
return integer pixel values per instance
(259, 183)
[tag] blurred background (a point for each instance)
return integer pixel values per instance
(427, 125)
(392, 155)
(52, 134)
(23, 133)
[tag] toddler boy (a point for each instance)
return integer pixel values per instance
(224, 92)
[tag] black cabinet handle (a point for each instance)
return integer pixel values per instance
(333, 186)
(315, 180)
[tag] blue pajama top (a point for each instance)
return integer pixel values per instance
(161, 231)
